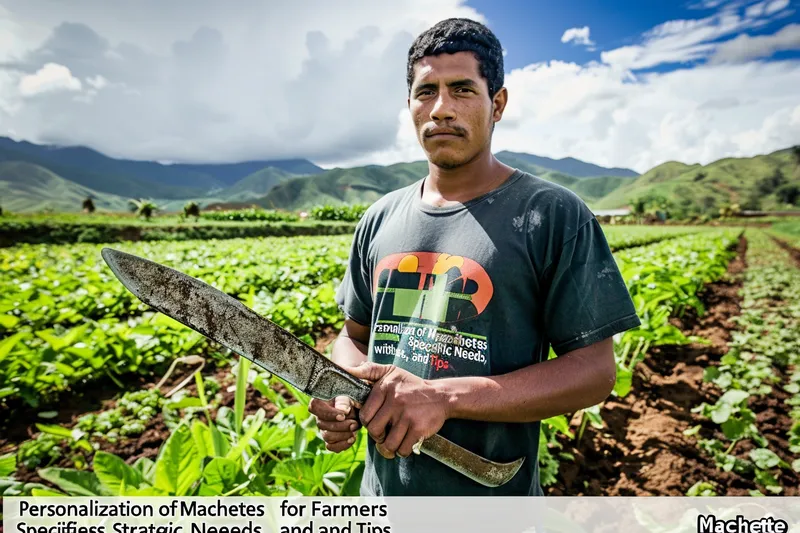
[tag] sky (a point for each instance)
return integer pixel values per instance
(620, 83)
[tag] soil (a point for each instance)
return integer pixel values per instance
(641, 450)
(794, 252)
(156, 431)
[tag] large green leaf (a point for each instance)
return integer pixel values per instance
(75, 482)
(147, 468)
(178, 463)
(114, 474)
(8, 464)
(221, 476)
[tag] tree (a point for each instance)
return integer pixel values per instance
(144, 208)
(771, 183)
(796, 154)
(88, 205)
(191, 209)
(789, 193)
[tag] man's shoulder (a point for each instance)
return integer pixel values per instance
(389, 202)
(557, 201)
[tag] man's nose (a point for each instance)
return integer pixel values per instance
(443, 108)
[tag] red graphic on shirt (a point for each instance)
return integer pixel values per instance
(434, 286)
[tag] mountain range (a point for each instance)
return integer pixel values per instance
(57, 178)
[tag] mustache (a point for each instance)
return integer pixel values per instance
(457, 130)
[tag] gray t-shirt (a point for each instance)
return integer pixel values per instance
(479, 289)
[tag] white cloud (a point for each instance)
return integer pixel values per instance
(775, 6)
(211, 84)
(215, 84)
(577, 35)
(98, 82)
(50, 78)
(745, 47)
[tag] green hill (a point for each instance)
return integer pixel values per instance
(754, 183)
(28, 187)
(367, 184)
(343, 186)
(256, 185)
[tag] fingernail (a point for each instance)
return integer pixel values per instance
(351, 440)
(353, 426)
(340, 417)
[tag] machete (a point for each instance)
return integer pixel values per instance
(227, 321)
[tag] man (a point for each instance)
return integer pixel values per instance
(458, 285)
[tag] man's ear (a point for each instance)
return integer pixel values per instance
(499, 104)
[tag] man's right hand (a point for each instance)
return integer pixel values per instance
(338, 421)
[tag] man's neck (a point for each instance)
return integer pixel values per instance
(444, 187)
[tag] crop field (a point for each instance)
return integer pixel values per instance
(101, 396)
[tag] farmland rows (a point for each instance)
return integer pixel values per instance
(763, 362)
(48, 285)
(663, 278)
(67, 319)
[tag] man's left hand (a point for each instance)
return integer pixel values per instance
(401, 409)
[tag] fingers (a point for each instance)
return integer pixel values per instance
(377, 425)
(345, 425)
(341, 445)
(370, 371)
(393, 440)
(327, 411)
(406, 448)
(343, 404)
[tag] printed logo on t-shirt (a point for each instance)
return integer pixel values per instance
(424, 298)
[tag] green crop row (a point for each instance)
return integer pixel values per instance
(766, 344)
(663, 280)
(42, 286)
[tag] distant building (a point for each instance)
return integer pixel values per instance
(611, 212)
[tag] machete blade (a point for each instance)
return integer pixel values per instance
(226, 320)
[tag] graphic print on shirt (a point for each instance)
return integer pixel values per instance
(427, 299)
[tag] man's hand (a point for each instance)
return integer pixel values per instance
(338, 421)
(401, 409)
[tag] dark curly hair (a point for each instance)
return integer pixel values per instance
(460, 35)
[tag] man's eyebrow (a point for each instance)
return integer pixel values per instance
(465, 82)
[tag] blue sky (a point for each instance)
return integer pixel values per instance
(636, 84)
(531, 30)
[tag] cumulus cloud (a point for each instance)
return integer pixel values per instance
(578, 36)
(50, 78)
(211, 84)
(214, 84)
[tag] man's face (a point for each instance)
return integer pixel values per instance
(452, 109)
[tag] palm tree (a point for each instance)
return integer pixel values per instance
(144, 208)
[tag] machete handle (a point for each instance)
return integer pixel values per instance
(330, 380)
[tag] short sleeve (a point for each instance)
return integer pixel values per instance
(587, 300)
(354, 295)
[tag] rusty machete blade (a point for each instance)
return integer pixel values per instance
(229, 322)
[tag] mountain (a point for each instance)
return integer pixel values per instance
(343, 186)
(752, 182)
(571, 166)
(256, 185)
(140, 178)
(28, 187)
(367, 184)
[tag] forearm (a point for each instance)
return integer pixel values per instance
(558, 386)
(348, 351)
